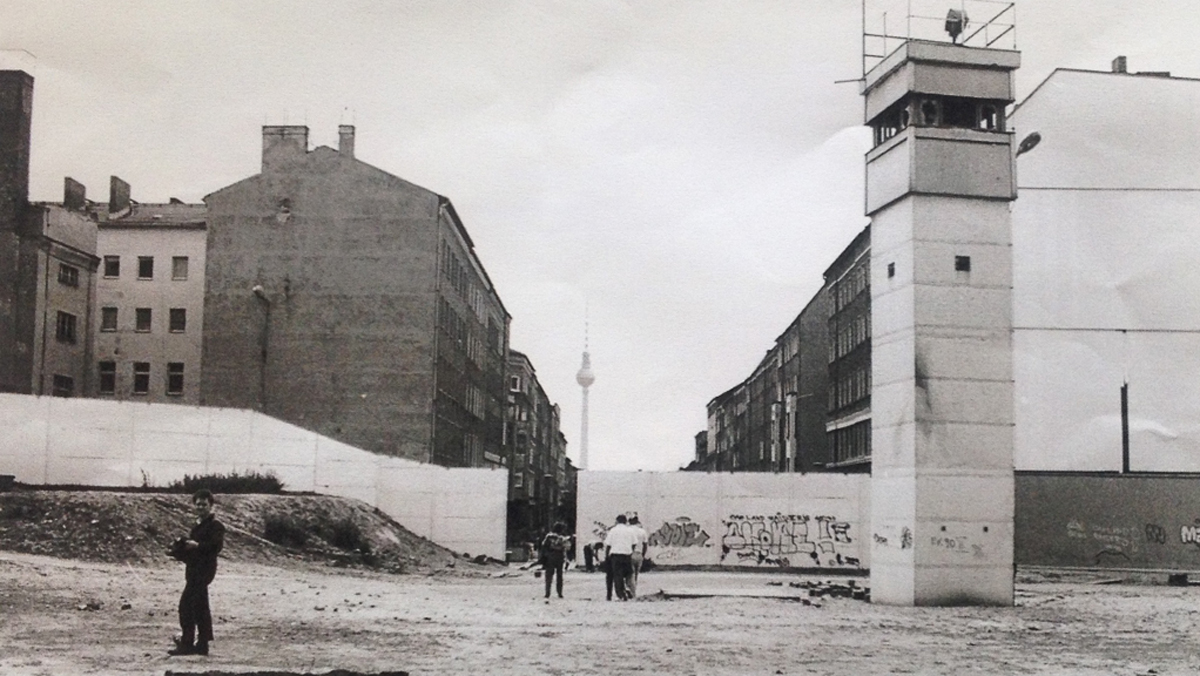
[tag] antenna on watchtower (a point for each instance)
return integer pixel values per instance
(888, 24)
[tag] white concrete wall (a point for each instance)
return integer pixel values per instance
(744, 519)
(49, 440)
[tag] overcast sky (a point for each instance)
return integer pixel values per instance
(685, 170)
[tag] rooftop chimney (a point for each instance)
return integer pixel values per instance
(74, 194)
(346, 139)
(1119, 65)
(16, 106)
(283, 144)
(118, 195)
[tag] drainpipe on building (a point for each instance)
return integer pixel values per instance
(44, 253)
(261, 295)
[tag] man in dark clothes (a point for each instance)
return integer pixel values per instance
(199, 554)
(554, 555)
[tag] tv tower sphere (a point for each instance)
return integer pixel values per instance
(585, 377)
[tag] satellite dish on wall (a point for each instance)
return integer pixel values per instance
(1028, 143)
(956, 23)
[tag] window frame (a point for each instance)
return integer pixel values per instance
(175, 261)
(106, 370)
(175, 380)
(65, 328)
(141, 378)
(114, 262)
(143, 261)
(68, 275)
(62, 386)
(181, 326)
(137, 321)
(106, 312)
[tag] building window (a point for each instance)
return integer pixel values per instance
(518, 480)
(891, 270)
(68, 274)
(65, 329)
(514, 384)
(108, 319)
(145, 267)
(64, 386)
(178, 320)
(179, 265)
(962, 263)
(108, 377)
(143, 320)
(141, 377)
(112, 266)
(175, 378)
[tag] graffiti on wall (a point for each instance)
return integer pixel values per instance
(958, 544)
(682, 533)
(1190, 534)
(1156, 534)
(1109, 543)
(787, 540)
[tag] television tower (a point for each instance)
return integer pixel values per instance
(585, 378)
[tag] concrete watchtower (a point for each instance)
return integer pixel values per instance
(939, 185)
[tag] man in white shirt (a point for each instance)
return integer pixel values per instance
(639, 552)
(619, 544)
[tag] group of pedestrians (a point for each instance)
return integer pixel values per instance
(624, 551)
(620, 556)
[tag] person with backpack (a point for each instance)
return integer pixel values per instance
(554, 556)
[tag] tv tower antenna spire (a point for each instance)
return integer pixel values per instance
(585, 378)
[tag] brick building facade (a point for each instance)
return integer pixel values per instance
(351, 302)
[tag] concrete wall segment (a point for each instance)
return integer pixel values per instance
(1097, 521)
(72, 441)
(713, 519)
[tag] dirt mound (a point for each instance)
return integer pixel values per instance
(118, 527)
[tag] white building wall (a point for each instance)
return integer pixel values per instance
(52, 440)
(159, 346)
(740, 519)
(1106, 239)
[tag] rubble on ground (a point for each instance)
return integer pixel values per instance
(138, 527)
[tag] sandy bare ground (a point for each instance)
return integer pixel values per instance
(309, 620)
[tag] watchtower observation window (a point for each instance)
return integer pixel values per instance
(959, 113)
(891, 122)
(939, 111)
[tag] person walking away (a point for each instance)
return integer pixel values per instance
(639, 553)
(606, 568)
(554, 555)
(198, 552)
(618, 550)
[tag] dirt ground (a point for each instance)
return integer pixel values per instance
(305, 619)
